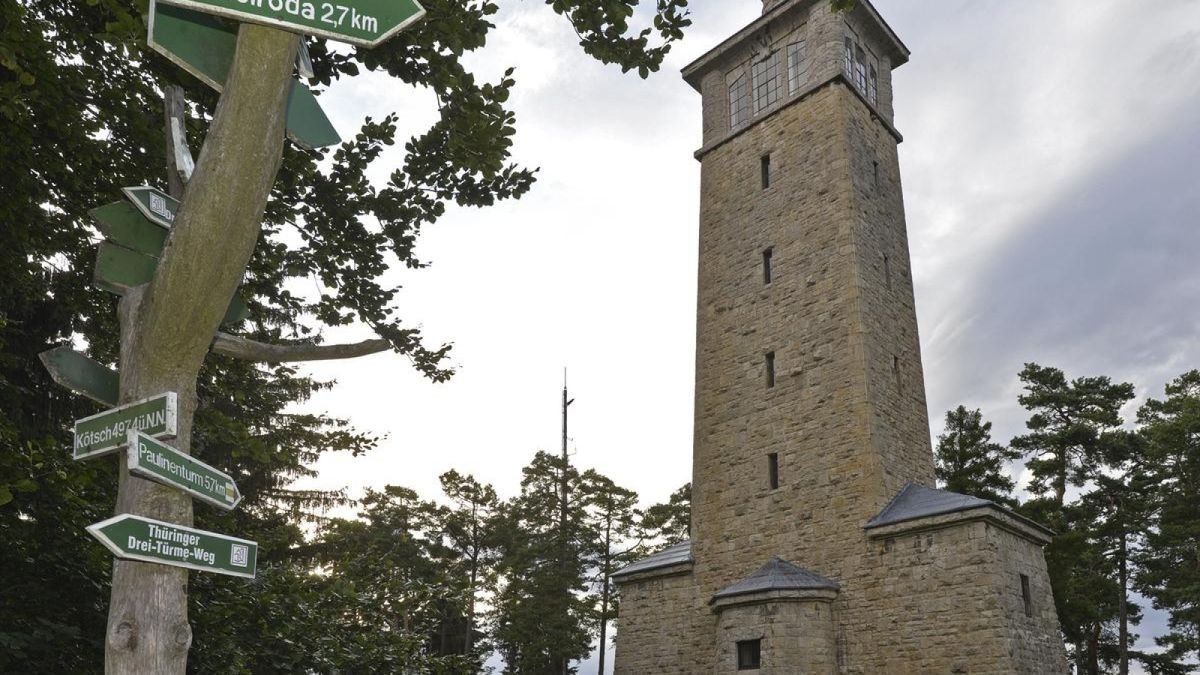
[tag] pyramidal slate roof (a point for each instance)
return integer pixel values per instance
(918, 501)
(673, 555)
(777, 575)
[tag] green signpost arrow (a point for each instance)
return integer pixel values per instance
(161, 463)
(82, 375)
(136, 538)
(365, 23)
(203, 45)
(119, 269)
(155, 204)
(108, 431)
(123, 224)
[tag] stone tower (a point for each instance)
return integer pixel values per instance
(818, 542)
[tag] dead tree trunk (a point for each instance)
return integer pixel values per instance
(168, 325)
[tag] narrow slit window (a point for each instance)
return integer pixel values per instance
(875, 173)
(770, 369)
(773, 470)
(896, 370)
(749, 654)
(887, 272)
(767, 255)
(873, 86)
(1026, 595)
(764, 164)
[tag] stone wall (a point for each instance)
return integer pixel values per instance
(665, 627)
(798, 637)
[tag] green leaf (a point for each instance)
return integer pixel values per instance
(6, 495)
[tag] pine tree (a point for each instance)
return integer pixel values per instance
(543, 616)
(1170, 561)
(670, 522)
(969, 462)
(468, 530)
(612, 512)
(1074, 436)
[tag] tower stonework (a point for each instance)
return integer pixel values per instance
(818, 542)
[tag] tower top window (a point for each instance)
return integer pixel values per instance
(765, 76)
(739, 101)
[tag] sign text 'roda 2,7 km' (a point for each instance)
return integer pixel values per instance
(361, 22)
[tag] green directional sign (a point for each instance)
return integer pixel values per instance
(119, 269)
(161, 463)
(155, 204)
(203, 45)
(365, 23)
(123, 224)
(82, 375)
(136, 538)
(108, 431)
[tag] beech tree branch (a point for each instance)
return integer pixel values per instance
(251, 350)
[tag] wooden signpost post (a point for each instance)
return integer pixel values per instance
(136, 234)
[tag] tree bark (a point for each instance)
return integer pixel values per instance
(251, 350)
(167, 326)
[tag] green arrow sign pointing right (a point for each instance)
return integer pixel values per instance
(161, 463)
(365, 23)
(136, 538)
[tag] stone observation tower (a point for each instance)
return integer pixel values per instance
(818, 542)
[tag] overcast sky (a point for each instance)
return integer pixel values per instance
(1050, 165)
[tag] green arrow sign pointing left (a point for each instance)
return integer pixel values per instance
(82, 375)
(136, 538)
(365, 23)
(161, 463)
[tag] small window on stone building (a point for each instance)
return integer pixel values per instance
(1026, 595)
(770, 369)
(797, 66)
(873, 86)
(896, 370)
(848, 59)
(773, 470)
(749, 654)
(739, 101)
(875, 174)
(768, 253)
(765, 81)
(764, 164)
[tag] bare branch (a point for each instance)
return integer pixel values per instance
(251, 350)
